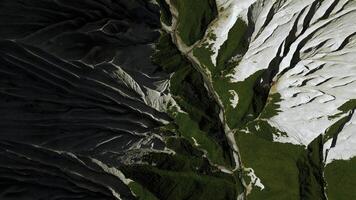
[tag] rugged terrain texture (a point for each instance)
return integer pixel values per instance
(177, 99)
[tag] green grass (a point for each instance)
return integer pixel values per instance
(235, 44)
(193, 18)
(341, 179)
(183, 185)
(274, 163)
(334, 130)
(185, 175)
(244, 111)
(200, 118)
(349, 105)
(203, 54)
(249, 104)
(168, 56)
(263, 129)
(189, 129)
(287, 171)
(271, 108)
(140, 192)
(311, 167)
(166, 16)
(340, 175)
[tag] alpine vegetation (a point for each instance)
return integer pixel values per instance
(178, 99)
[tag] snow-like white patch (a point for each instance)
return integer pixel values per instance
(255, 181)
(241, 196)
(224, 169)
(115, 172)
(231, 140)
(265, 46)
(312, 89)
(257, 127)
(128, 80)
(283, 138)
(160, 101)
(343, 30)
(195, 142)
(304, 115)
(324, 6)
(112, 170)
(235, 98)
(324, 79)
(345, 147)
(228, 13)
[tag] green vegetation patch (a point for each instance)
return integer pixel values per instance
(334, 130)
(199, 122)
(234, 45)
(281, 164)
(340, 176)
(203, 54)
(193, 18)
(166, 16)
(311, 167)
(347, 106)
(140, 192)
(274, 163)
(168, 56)
(263, 129)
(191, 131)
(272, 107)
(183, 175)
(174, 185)
(249, 104)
